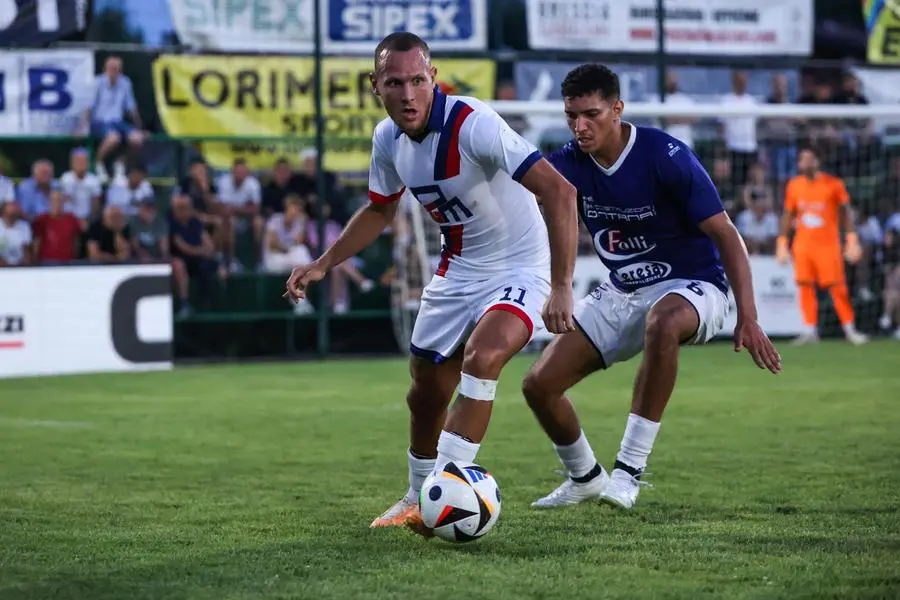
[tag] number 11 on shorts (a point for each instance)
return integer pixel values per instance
(507, 296)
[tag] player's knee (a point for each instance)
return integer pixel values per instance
(484, 362)
(536, 388)
(667, 327)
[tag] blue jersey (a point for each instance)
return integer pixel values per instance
(643, 212)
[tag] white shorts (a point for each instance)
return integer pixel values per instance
(449, 310)
(614, 320)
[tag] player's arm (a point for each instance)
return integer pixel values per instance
(688, 182)
(559, 199)
(385, 189)
(852, 248)
(782, 250)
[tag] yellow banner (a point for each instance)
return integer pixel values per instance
(883, 26)
(272, 97)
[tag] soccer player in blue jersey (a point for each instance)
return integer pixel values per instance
(659, 226)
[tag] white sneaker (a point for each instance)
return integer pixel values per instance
(570, 492)
(810, 337)
(885, 322)
(304, 307)
(366, 286)
(622, 491)
(856, 338)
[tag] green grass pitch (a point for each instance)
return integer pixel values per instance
(259, 481)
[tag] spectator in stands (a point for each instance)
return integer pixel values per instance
(740, 132)
(506, 90)
(109, 239)
(203, 194)
(721, 177)
(334, 193)
(757, 188)
(56, 233)
(240, 197)
(15, 236)
(891, 315)
(149, 233)
(340, 302)
(780, 134)
(758, 225)
(859, 152)
(871, 239)
(7, 189)
(822, 132)
(128, 194)
(681, 128)
(112, 102)
(282, 183)
(82, 190)
(193, 251)
(285, 243)
(34, 192)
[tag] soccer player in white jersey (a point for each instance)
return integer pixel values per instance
(659, 226)
(478, 180)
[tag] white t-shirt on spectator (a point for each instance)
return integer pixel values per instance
(80, 192)
(893, 223)
(237, 196)
(740, 132)
(285, 235)
(870, 231)
(13, 239)
(7, 189)
(757, 230)
(127, 199)
(682, 132)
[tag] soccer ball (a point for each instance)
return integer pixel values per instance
(461, 503)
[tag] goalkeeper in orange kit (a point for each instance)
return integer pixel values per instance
(817, 207)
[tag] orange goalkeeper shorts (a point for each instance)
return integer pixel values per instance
(823, 267)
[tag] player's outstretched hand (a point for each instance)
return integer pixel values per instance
(558, 311)
(852, 250)
(300, 279)
(782, 250)
(749, 335)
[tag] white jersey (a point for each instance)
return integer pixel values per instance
(80, 193)
(465, 172)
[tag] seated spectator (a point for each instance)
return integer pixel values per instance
(108, 239)
(340, 301)
(721, 178)
(34, 193)
(285, 244)
(149, 233)
(240, 196)
(82, 190)
(891, 294)
(56, 233)
(15, 236)
(7, 189)
(307, 180)
(203, 195)
(758, 225)
(193, 252)
(128, 194)
(757, 189)
(282, 183)
(113, 100)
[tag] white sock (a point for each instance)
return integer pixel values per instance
(419, 470)
(578, 457)
(452, 447)
(849, 329)
(637, 442)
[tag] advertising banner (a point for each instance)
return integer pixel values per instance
(273, 97)
(348, 26)
(883, 28)
(704, 27)
(774, 286)
(109, 318)
(44, 92)
(38, 23)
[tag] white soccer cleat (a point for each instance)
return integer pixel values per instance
(856, 338)
(570, 492)
(623, 489)
(806, 338)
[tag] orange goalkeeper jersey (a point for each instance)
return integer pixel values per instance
(816, 204)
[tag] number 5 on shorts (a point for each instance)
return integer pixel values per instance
(507, 296)
(695, 287)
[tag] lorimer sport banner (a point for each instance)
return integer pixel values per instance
(272, 96)
(348, 26)
(883, 27)
(707, 27)
(44, 92)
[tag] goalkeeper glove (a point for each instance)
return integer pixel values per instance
(852, 250)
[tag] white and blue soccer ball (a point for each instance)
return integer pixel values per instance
(461, 503)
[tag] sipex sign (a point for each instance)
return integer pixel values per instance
(446, 25)
(44, 92)
(36, 23)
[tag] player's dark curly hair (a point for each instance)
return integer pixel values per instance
(401, 41)
(591, 78)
